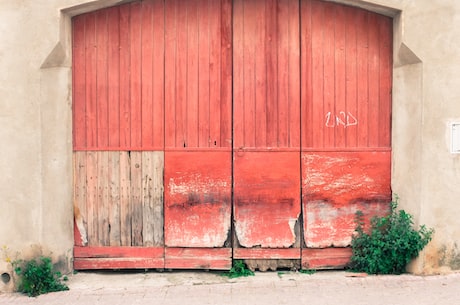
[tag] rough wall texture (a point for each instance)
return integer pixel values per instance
(35, 115)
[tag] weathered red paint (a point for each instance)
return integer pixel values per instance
(198, 258)
(327, 258)
(118, 257)
(197, 198)
(337, 184)
(266, 198)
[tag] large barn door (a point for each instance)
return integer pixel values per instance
(346, 108)
(188, 113)
(198, 156)
(266, 144)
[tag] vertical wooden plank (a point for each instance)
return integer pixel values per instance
(259, 52)
(102, 118)
(158, 74)
(170, 72)
(102, 198)
(113, 71)
(340, 78)
(136, 199)
(79, 82)
(125, 199)
(147, 198)
(374, 75)
(329, 72)
(363, 78)
(192, 74)
(136, 75)
(114, 198)
(276, 84)
(146, 46)
(125, 79)
(181, 75)
(204, 77)
(320, 116)
(351, 77)
(294, 74)
(79, 201)
(248, 65)
(238, 73)
(226, 75)
(306, 74)
(92, 197)
(385, 69)
(91, 91)
(215, 66)
(158, 195)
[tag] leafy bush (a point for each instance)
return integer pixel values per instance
(390, 245)
(238, 269)
(37, 277)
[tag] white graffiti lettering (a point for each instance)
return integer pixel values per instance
(341, 118)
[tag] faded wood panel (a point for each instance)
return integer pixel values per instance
(152, 195)
(119, 198)
(346, 69)
(114, 190)
(136, 208)
(102, 204)
(196, 56)
(125, 199)
(92, 198)
(80, 210)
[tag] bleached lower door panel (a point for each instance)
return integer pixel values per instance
(198, 209)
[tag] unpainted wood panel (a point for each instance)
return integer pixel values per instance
(118, 198)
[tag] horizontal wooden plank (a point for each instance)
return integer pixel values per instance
(118, 252)
(244, 253)
(328, 258)
(118, 263)
(198, 258)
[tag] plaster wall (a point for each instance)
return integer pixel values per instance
(35, 115)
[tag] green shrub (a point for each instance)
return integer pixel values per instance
(37, 276)
(391, 243)
(238, 269)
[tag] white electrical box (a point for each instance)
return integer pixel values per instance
(455, 138)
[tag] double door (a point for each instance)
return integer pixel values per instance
(206, 131)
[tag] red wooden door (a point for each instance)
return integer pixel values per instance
(266, 143)
(198, 164)
(346, 113)
(188, 112)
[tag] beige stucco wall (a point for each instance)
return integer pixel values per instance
(35, 119)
